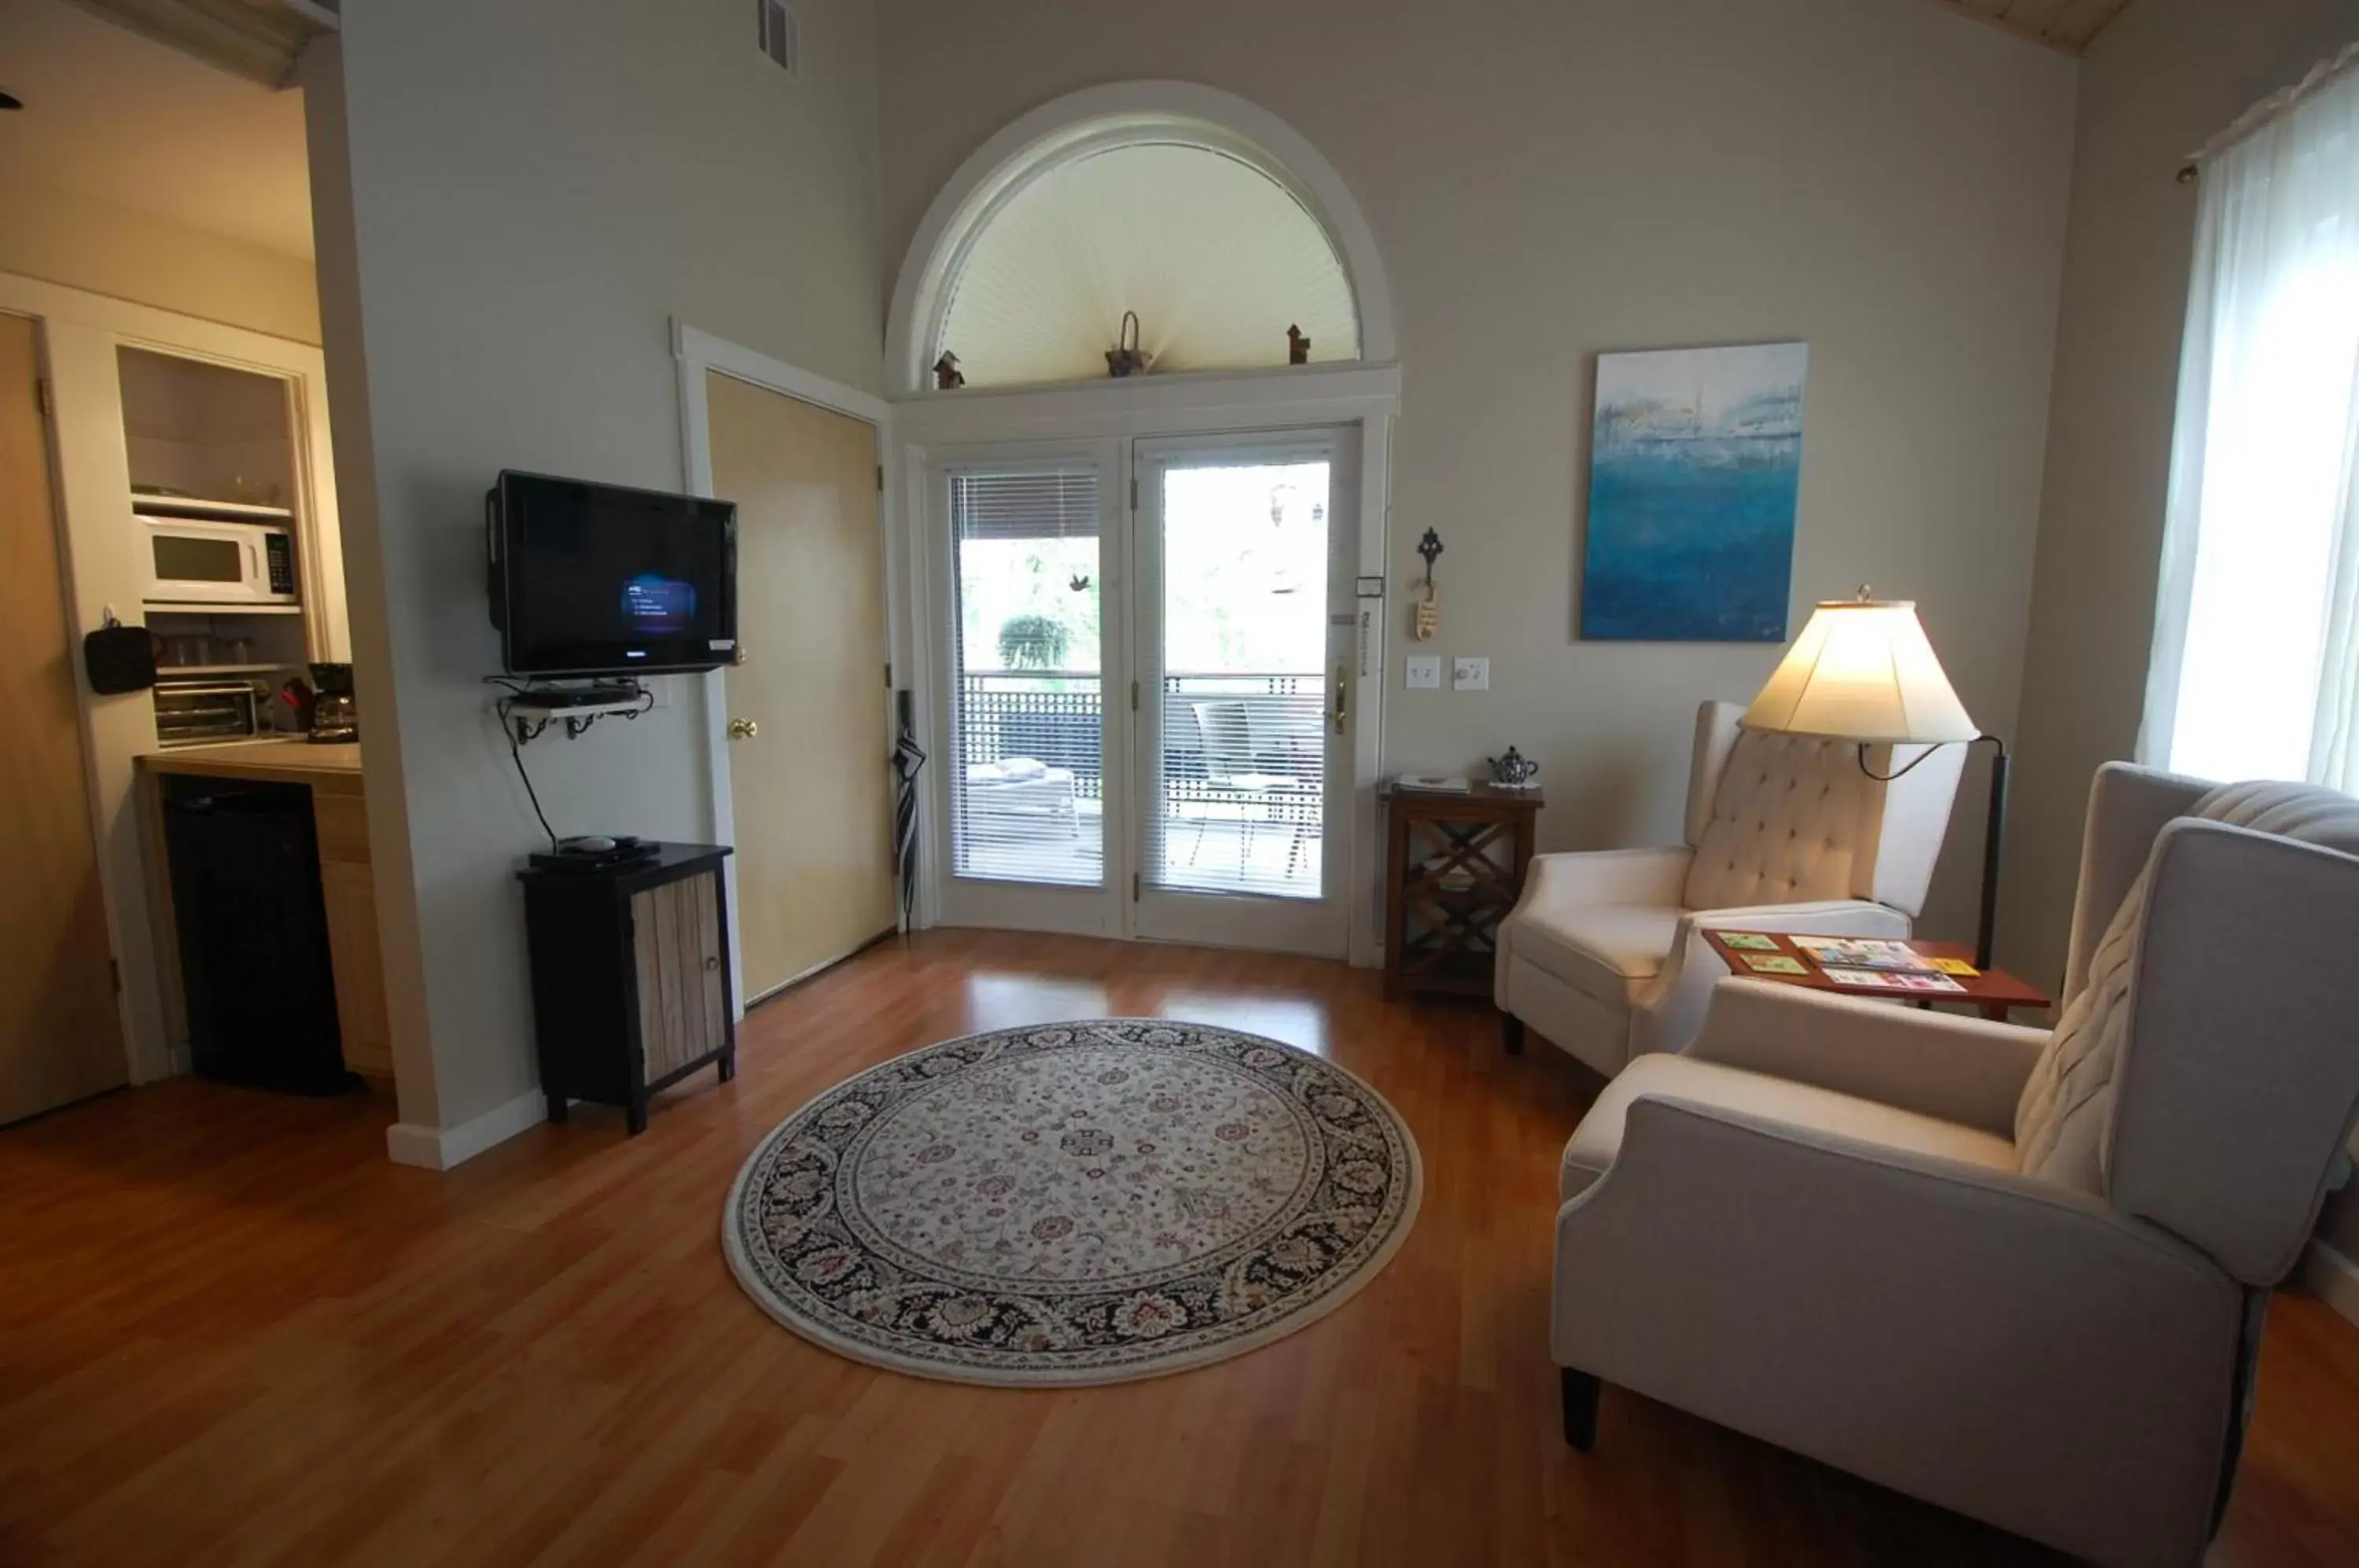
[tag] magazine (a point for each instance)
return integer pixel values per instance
(1862, 953)
(1775, 964)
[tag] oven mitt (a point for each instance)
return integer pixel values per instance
(119, 659)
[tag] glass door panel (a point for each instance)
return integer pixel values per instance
(1243, 553)
(1026, 777)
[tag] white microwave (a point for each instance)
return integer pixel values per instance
(192, 563)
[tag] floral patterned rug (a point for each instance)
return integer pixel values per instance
(1082, 1203)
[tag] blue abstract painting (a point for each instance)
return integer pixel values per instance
(1695, 462)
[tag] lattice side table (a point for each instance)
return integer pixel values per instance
(1453, 867)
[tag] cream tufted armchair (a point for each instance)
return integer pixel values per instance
(1604, 953)
(2014, 1272)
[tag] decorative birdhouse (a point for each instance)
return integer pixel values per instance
(1126, 358)
(948, 376)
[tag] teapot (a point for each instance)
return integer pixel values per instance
(1512, 770)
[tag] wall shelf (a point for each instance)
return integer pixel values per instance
(178, 671)
(183, 607)
(218, 511)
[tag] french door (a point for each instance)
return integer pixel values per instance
(1148, 692)
(1243, 555)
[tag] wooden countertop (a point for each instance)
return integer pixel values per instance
(295, 761)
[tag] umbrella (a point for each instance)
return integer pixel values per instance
(908, 762)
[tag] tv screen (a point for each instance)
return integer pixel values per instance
(599, 579)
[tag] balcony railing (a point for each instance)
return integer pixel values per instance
(1244, 759)
(1216, 728)
(1053, 717)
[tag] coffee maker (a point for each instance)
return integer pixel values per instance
(334, 716)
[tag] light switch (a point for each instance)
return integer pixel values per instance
(1424, 672)
(1471, 674)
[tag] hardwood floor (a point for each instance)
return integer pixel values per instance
(231, 1333)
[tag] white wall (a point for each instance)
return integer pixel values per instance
(64, 236)
(1550, 179)
(534, 189)
(2159, 82)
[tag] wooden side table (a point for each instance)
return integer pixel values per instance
(1993, 993)
(1454, 866)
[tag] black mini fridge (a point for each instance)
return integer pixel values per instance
(253, 922)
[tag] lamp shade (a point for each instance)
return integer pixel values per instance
(1863, 671)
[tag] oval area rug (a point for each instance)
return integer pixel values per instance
(1078, 1203)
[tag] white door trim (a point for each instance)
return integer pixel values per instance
(695, 352)
(1367, 396)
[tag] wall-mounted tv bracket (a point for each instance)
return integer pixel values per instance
(529, 707)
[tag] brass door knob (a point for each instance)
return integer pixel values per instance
(742, 729)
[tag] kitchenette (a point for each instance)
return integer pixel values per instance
(251, 804)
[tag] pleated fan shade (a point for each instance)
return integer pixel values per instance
(1216, 257)
(1864, 671)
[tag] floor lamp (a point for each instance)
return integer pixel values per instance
(1862, 671)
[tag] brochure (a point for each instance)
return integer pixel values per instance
(1775, 964)
(1862, 953)
(1865, 979)
(1749, 942)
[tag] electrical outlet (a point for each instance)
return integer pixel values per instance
(1471, 674)
(1424, 672)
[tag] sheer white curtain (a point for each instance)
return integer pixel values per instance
(2256, 667)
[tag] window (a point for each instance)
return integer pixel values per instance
(2255, 671)
(1215, 256)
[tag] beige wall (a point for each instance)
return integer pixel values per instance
(63, 236)
(1548, 180)
(535, 189)
(2159, 82)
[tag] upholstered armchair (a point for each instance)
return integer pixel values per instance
(2018, 1273)
(1604, 953)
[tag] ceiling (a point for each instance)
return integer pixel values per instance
(2066, 25)
(119, 117)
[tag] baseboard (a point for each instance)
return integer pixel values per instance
(440, 1148)
(2331, 1278)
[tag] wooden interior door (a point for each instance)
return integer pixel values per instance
(809, 704)
(60, 1038)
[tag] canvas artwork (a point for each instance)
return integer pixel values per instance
(1695, 462)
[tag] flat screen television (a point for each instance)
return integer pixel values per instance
(598, 580)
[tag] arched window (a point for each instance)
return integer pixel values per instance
(1211, 220)
(1217, 258)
